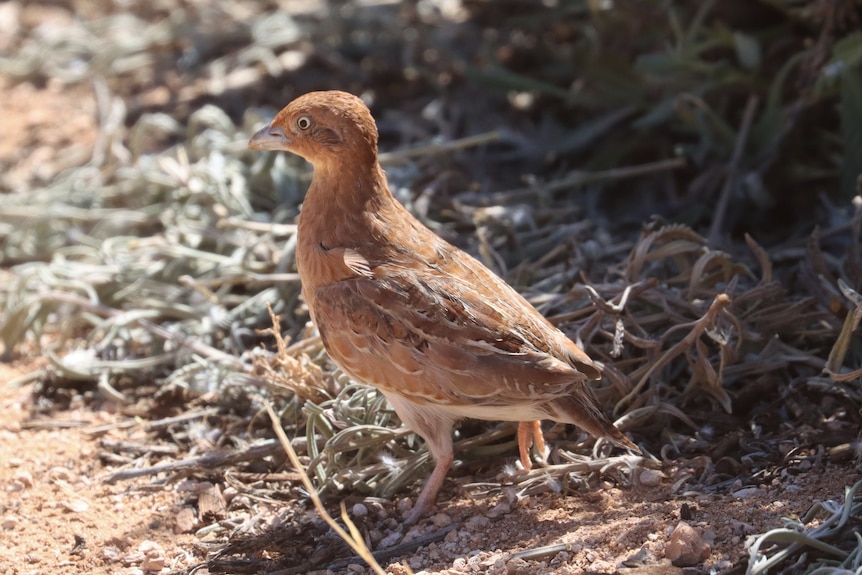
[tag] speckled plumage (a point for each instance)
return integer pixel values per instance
(399, 308)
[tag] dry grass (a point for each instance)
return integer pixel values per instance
(144, 274)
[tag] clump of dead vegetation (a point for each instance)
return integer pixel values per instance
(691, 215)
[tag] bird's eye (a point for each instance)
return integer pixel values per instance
(303, 122)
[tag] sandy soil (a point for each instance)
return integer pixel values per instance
(57, 513)
(60, 516)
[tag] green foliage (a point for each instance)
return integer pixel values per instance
(151, 263)
(686, 69)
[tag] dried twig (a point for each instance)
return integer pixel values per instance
(354, 538)
(209, 461)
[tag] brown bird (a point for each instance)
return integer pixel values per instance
(397, 307)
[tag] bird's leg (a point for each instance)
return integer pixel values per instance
(432, 485)
(539, 441)
(529, 434)
(525, 442)
(435, 427)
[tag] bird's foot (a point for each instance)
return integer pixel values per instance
(530, 434)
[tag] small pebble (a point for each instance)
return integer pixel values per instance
(9, 522)
(76, 506)
(517, 566)
(601, 566)
(186, 520)
(153, 563)
(133, 558)
(476, 522)
(404, 505)
(154, 556)
(390, 540)
(59, 473)
(650, 477)
(24, 477)
(748, 492)
(686, 546)
(499, 510)
(745, 528)
(112, 554)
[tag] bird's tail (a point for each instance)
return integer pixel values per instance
(584, 413)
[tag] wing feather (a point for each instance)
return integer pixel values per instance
(447, 343)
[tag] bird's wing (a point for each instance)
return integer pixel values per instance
(436, 339)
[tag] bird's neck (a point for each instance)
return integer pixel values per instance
(347, 209)
(342, 202)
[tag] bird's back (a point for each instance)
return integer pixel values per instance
(416, 313)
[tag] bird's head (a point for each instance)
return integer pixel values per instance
(322, 127)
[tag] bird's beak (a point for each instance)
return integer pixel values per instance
(269, 138)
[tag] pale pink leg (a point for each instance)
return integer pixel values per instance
(435, 427)
(432, 485)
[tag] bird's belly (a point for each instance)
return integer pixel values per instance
(512, 412)
(415, 386)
